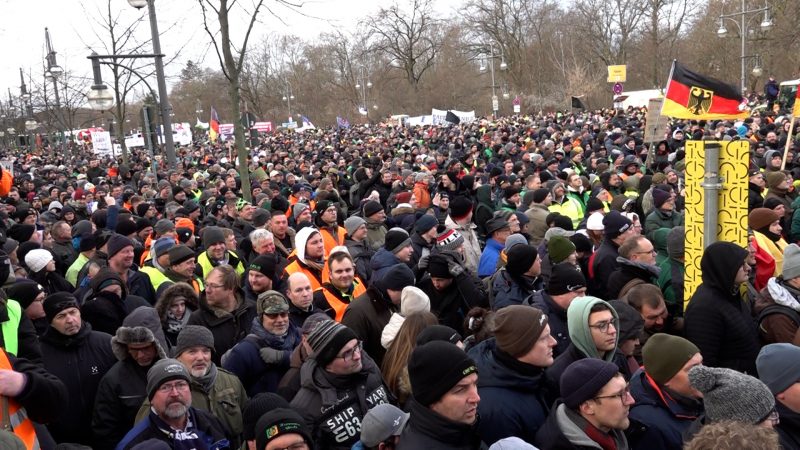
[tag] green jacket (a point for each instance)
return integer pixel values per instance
(658, 219)
(667, 286)
(226, 401)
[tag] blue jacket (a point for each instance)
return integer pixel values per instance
(511, 401)
(508, 290)
(488, 262)
(205, 433)
(380, 263)
(244, 359)
(665, 419)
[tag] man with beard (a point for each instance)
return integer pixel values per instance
(262, 358)
(637, 265)
(214, 389)
(79, 357)
(339, 384)
(172, 418)
(120, 251)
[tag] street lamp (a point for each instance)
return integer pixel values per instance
(288, 96)
(363, 84)
(100, 96)
(53, 72)
(741, 25)
(503, 67)
(166, 108)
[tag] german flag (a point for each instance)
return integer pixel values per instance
(693, 96)
(796, 109)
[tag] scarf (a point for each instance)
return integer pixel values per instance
(206, 382)
(175, 325)
(781, 295)
(317, 265)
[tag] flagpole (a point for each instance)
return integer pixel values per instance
(788, 143)
(669, 80)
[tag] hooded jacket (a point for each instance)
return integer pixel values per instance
(361, 253)
(333, 406)
(484, 210)
(778, 327)
(428, 430)
(123, 389)
(80, 361)
(512, 403)
(170, 326)
(717, 321)
(381, 262)
(564, 429)
(105, 310)
(367, 316)
(228, 328)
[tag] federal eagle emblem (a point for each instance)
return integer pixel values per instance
(699, 100)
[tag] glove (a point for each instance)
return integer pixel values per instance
(423, 262)
(454, 262)
(270, 355)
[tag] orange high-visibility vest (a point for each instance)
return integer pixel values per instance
(331, 241)
(337, 304)
(295, 266)
(17, 418)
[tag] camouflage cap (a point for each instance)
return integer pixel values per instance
(271, 302)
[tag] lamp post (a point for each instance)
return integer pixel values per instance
(25, 99)
(503, 66)
(166, 108)
(363, 84)
(54, 71)
(288, 96)
(741, 24)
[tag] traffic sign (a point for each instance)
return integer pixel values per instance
(495, 103)
(617, 88)
(617, 74)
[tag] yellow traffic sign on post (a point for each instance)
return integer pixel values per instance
(616, 74)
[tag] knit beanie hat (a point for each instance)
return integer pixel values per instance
(162, 246)
(434, 368)
(583, 379)
(352, 223)
(21, 232)
(256, 407)
(179, 254)
(413, 299)
(731, 395)
(779, 366)
(37, 259)
(163, 227)
(327, 339)
(372, 207)
(271, 302)
(164, 370)
(615, 224)
(438, 333)
(664, 355)
(517, 328)
(774, 179)
(321, 206)
(449, 240)
(559, 248)
(439, 267)
(396, 278)
(141, 208)
(460, 207)
(403, 197)
(540, 194)
(396, 239)
(116, 243)
(212, 235)
(106, 277)
(660, 197)
(126, 227)
(298, 209)
(676, 243)
(762, 218)
(24, 292)
(514, 239)
(193, 336)
(519, 259)
(264, 264)
(280, 422)
(425, 223)
(594, 204)
(57, 302)
(82, 226)
(631, 323)
(565, 278)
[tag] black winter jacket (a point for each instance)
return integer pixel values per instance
(366, 316)
(556, 318)
(206, 432)
(79, 361)
(452, 305)
(603, 264)
(429, 430)
(228, 328)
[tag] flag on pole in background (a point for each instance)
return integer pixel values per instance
(577, 103)
(690, 95)
(213, 130)
(306, 123)
(452, 118)
(341, 122)
(796, 109)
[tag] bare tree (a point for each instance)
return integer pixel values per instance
(411, 39)
(614, 26)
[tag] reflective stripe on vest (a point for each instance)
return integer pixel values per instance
(11, 327)
(205, 264)
(337, 304)
(18, 419)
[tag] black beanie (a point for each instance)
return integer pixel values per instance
(327, 339)
(372, 207)
(438, 333)
(116, 243)
(540, 194)
(396, 278)
(24, 292)
(141, 209)
(434, 368)
(460, 207)
(126, 227)
(142, 223)
(594, 204)
(57, 302)
(21, 232)
(583, 379)
(438, 267)
(565, 278)
(106, 277)
(265, 265)
(258, 406)
(520, 258)
(88, 242)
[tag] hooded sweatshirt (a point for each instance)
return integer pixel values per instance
(579, 331)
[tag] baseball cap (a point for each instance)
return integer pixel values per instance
(381, 423)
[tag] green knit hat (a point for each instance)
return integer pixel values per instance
(559, 248)
(664, 355)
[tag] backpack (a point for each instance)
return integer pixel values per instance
(777, 309)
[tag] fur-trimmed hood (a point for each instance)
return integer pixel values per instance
(140, 327)
(176, 290)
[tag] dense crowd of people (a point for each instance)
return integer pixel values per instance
(508, 284)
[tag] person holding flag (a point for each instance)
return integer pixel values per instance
(213, 126)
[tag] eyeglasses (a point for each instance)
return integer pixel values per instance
(603, 326)
(774, 418)
(274, 316)
(178, 386)
(295, 446)
(214, 286)
(349, 354)
(622, 396)
(652, 251)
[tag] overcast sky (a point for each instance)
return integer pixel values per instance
(74, 24)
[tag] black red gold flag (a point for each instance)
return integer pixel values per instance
(691, 95)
